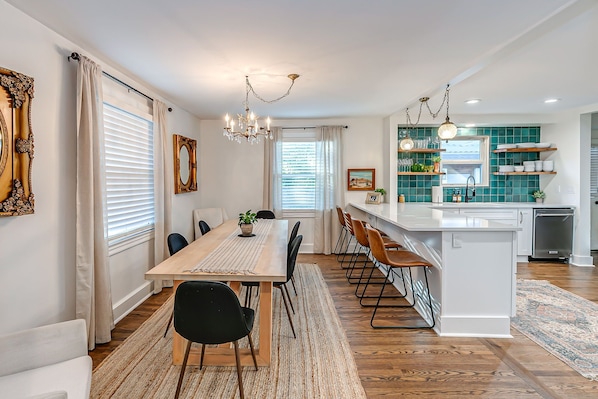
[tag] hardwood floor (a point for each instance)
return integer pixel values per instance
(418, 363)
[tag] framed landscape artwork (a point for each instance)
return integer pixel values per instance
(361, 179)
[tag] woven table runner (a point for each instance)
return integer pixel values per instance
(238, 255)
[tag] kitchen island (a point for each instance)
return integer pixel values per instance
(473, 281)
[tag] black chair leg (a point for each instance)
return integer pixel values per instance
(182, 374)
(203, 351)
(252, 351)
(238, 361)
(286, 290)
(169, 323)
(284, 299)
(410, 305)
(293, 282)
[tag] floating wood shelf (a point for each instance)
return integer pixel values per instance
(523, 173)
(533, 149)
(423, 150)
(421, 173)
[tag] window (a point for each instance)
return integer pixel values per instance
(129, 167)
(298, 175)
(465, 156)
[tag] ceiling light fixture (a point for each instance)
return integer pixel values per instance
(551, 100)
(447, 130)
(248, 126)
(473, 101)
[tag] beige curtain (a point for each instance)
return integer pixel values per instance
(163, 190)
(272, 184)
(329, 187)
(93, 294)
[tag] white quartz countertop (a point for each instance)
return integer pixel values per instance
(427, 216)
(491, 205)
(422, 217)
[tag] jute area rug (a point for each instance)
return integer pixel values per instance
(318, 364)
(563, 323)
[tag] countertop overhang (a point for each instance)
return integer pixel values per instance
(433, 217)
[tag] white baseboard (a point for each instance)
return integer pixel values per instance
(580, 260)
(131, 301)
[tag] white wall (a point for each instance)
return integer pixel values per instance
(570, 186)
(231, 173)
(37, 252)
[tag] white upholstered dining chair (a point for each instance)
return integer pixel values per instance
(212, 216)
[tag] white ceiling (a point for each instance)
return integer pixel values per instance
(356, 58)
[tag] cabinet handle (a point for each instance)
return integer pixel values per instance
(520, 217)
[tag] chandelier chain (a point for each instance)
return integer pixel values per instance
(424, 100)
(250, 88)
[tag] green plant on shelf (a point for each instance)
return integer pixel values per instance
(381, 191)
(539, 194)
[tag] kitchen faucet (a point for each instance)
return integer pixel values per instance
(467, 197)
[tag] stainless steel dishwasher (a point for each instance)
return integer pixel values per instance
(553, 233)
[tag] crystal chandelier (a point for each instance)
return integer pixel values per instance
(247, 127)
(447, 130)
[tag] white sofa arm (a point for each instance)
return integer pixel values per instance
(42, 346)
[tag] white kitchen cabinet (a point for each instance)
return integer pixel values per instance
(524, 236)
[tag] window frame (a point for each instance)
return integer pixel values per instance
(120, 98)
(484, 161)
(304, 135)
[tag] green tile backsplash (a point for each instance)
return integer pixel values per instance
(501, 188)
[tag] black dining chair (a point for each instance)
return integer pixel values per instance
(265, 214)
(286, 298)
(294, 232)
(175, 242)
(209, 313)
(204, 227)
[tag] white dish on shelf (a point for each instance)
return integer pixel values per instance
(519, 168)
(543, 145)
(529, 163)
(529, 169)
(526, 145)
(505, 146)
(506, 168)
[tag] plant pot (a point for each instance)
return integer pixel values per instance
(246, 229)
(436, 167)
(540, 200)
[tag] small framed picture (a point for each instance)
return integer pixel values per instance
(373, 197)
(361, 179)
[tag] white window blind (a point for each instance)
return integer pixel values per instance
(129, 157)
(594, 170)
(298, 175)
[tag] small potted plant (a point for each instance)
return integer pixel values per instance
(246, 221)
(436, 160)
(539, 195)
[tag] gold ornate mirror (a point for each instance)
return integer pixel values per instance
(16, 143)
(185, 166)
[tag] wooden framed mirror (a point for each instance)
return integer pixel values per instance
(185, 164)
(16, 143)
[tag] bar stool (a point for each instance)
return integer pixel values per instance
(339, 249)
(399, 259)
(363, 242)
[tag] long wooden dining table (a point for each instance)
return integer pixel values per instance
(221, 255)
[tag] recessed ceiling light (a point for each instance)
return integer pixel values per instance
(551, 100)
(470, 125)
(473, 101)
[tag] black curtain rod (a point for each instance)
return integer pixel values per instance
(307, 127)
(77, 57)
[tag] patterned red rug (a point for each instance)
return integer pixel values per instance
(563, 323)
